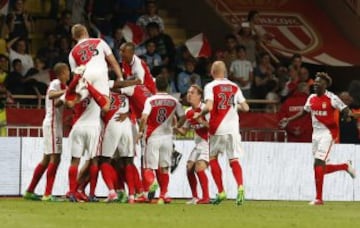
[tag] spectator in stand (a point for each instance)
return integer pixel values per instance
(51, 51)
(101, 14)
(164, 43)
(151, 16)
(78, 12)
(39, 76)
(282, 75)
(241, 71)
(116, 41)
(229, 54)
(166, 72)
(128, 11)
(246, 39)
(182, 55)
(304, 76)
(349, 132)
(253, 20)
(4, 63)
(272, 95)
(299, 130)
(291, 85)
(63, 28)
(151, 57)
(188, 77)
(20, 52)
(3, 72)
(263, 72)
(14, 81)
(296, 62)
(4, 32)
(64, 50)
(19, 22)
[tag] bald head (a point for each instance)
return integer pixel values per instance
(127, 51)
(346, 98)
(79, 31)
(218, 70)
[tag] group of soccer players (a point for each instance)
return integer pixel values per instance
(111, 117)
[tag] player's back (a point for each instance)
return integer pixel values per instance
(90, 52)
(87, 113)
(119, 104)
(162, 108)
(53, 115)
(225, 95)
(137, 96)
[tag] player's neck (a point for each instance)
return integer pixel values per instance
(196, 105)
(161, 92)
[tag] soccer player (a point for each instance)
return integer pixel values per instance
(118, 137)
(199, 157)
(136, 68)
(322, 105)
(157, 119)
(52, 135)
(223, 99)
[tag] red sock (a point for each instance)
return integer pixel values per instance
(319, 180)
(237, 172)
(204, 183)
(158, 175)
(98, 97)
(94, 171)
(130, 179)
(149, 178)
(72, 85)
(145, 185)
(193, 183)
(50, 178)
(73, 171)
(217, 174)
(333, 168)
(164, 183)
(38, 172)
(107, 175)
(137, 181)
(115, 178)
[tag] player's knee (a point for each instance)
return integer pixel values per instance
(200, 165)
(164, 169)
(319, 162)
(75, 161)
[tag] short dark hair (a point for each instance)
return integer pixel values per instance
(153, 25)
(240, 47)
(161, 83)
(295, 56)
(230, 36)
(15, 61)
(252, 14)
(324, 76)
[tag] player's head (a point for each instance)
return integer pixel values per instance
(218, 70)
(62, 72)
(127, 51)
(346, 98)
(79, 31)
(161, 83)
(194, 94)
(322, 82)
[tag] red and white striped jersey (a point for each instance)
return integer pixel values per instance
(137, 96)
(87, 113)
(119, 104)
(225, 95)
(138, 69)
(201, 132)
(161, 109)
(322, 109)
(90, 52)
(53, 115)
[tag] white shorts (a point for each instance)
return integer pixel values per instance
(157, 153)
(321, 144)
(230, 144)
(85, 141)
(200, 152)
(99, 80)
(52, 139)
(118, 136)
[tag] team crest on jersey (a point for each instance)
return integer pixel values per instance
(323, 105)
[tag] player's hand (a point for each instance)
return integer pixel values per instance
(197, 115)
(80, 70)
(139, 137)
(283, 123)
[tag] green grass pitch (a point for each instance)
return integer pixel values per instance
(16, 212)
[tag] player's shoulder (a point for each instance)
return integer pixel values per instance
(330, 94)
(55, 82)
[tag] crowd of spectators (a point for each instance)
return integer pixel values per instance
(249, 66)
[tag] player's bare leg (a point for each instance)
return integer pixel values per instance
(217, 175)
(38, 172)
(200, 167)
(190, 171)
(50, 177)
(237, 172)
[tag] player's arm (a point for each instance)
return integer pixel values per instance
(142, 125)
(121, 84)
(205, 110)
(53, 94)
(243, 107)
(285, 121)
